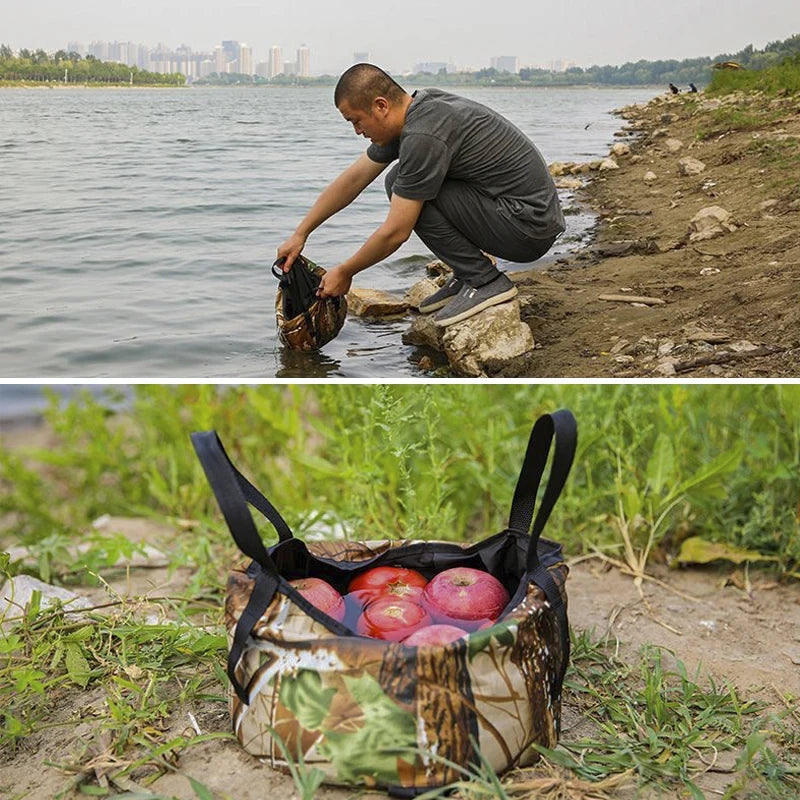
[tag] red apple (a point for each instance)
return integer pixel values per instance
(322, 595)
(434, 634)
(391, 619)
(465, 596)
(397, 582)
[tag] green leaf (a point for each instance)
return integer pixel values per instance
(77, 665)
(661, 466)
(8, 644)
(696, 550)
(202, 791)
(709, 476)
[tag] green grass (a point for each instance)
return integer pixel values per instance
(782, 79)
(666, 727)
(439, 462)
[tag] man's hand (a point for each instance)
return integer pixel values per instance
(290, 249)
(335, 282)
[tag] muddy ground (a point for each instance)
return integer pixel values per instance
(743, 631)
(730, 304)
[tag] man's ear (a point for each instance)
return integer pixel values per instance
(381, 105)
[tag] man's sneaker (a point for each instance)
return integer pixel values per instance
(471, 300)
(441, 297)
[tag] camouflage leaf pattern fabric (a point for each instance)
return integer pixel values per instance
(376, 714)
(316, 327)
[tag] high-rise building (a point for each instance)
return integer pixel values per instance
(245, 59)
(505, 64)
(76, 47)
(290, 68)
(361, 57)
(433, 67)
(275, 61)
(262, 69)
(231, 49)
(220, 62)
(99, 50)
(303, 61)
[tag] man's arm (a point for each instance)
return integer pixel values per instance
(395, 230)
(336, 196)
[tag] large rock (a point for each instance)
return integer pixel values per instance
(608, 164)
(488, 341)
(690, 166)
(620, 149)
(18, 591)
(374, 303)
(710, 222)
(423, 333)
(419, 292)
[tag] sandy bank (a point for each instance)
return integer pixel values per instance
(728, 304)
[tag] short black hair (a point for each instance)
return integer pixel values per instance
(362, 83)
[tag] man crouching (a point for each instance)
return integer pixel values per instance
(467, 182)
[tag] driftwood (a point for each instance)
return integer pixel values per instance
(724, 358)
(632, 298)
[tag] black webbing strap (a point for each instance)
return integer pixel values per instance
(264, 589)
(233, 491)
(561, 426)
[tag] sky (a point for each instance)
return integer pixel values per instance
(464, 32)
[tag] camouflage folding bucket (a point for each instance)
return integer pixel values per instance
(373, 713)
(305, 321)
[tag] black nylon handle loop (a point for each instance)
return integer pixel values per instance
(561, 427)
(232, 498)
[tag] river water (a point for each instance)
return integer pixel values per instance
(137, 227)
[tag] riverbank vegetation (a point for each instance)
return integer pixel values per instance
(39, 67)
(667, 463)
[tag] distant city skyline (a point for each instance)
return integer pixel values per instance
(467, 33)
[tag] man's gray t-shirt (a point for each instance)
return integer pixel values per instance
(446, 137)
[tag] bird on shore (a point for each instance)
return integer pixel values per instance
(674, 89)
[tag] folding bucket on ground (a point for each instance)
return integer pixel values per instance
(373, 713)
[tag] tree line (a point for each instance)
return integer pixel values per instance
(63, 67)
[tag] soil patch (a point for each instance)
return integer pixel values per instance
(729, 302)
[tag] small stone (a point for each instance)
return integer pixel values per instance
(743, 346)
(624, 359)
(374, 303)
(709, 270)
(558, 168)
(673, 145)
(636, 158)
(650, 177)
(690, 166)
(568, 183)
(710, 222)
(767, 205)
(666, 367)
(608, 164)
(18, 591)
(619, 346)
(794, 205)
(666, 119)
(621, 149)
(438, 268)
(426, 364)
(665, 347)
(580, 169)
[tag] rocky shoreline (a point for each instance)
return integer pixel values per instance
(694, 267)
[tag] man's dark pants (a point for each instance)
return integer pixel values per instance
(461, 222)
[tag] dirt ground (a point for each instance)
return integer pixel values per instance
(748, 636)
(729, 303)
